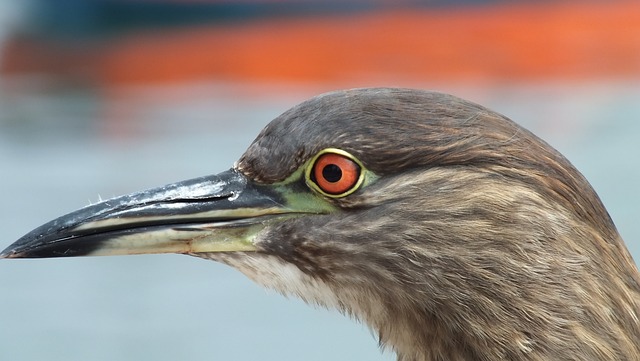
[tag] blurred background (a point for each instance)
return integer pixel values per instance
(104, 97)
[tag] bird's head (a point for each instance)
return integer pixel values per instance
(449, 229)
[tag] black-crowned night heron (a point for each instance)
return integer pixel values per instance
(451, 231)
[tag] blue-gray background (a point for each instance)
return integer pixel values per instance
(64, 146)
(56, 156)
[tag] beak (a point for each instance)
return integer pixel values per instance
(219, 213)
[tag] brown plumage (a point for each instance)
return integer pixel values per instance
(481, 242)
(475, 240)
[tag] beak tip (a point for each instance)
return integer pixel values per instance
(11, 252)
(7, 254)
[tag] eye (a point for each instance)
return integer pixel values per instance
(335, 173)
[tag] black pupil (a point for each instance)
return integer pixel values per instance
(332, 173)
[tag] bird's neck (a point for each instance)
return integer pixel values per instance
(420, 336)
(602, 326)
(423, 336)
(412, 340)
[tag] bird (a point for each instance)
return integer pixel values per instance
(450, 230)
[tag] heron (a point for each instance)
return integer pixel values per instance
(450, 230)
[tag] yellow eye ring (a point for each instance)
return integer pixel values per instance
(334, 173)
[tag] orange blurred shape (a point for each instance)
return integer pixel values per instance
(566, 40)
